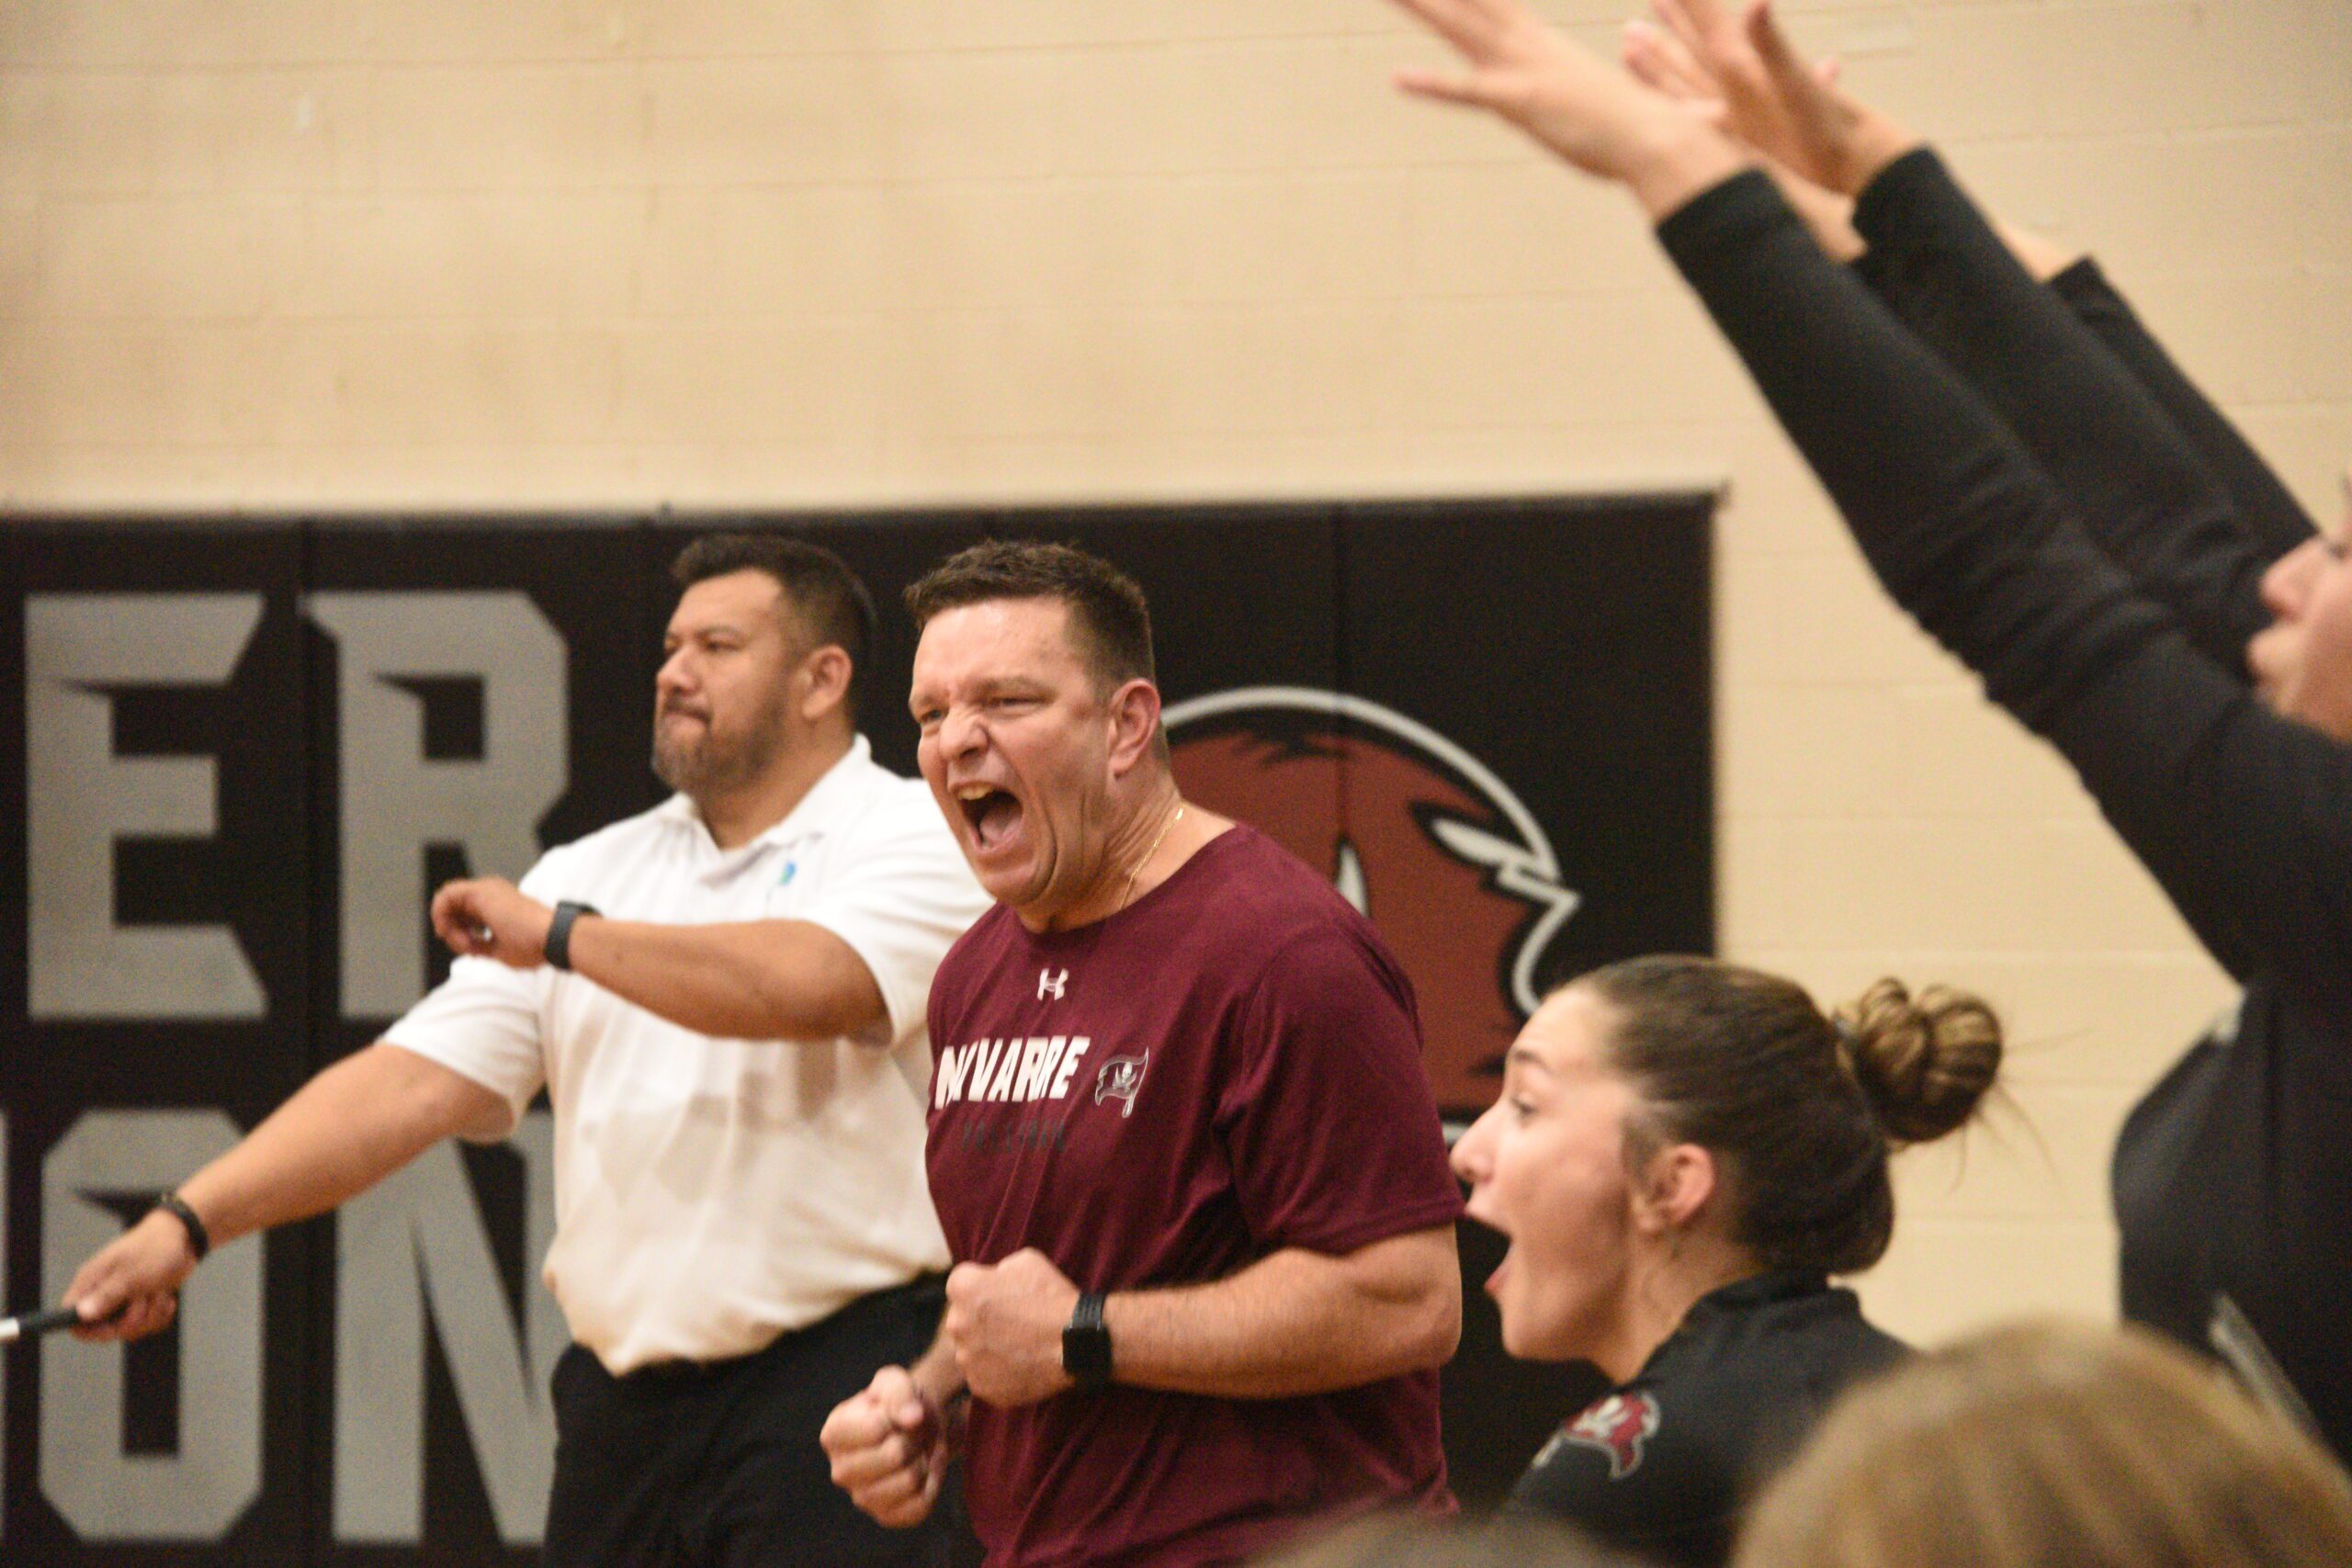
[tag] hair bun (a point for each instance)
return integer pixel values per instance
(1924, 1063)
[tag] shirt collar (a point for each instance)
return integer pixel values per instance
(1729, 1301)
(834, 789)
(826, 799)
(1772, 1285)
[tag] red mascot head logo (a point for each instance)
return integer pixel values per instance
(1415, 832)
(1618, 1427)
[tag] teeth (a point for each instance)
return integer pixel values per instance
(974, 791)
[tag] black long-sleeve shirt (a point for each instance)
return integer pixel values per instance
(2117, 451)
(2074, 550)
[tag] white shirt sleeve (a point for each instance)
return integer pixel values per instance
(902, 899)
(484, 1023)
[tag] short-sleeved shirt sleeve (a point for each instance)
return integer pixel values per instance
(1330, 1071)
(899, 897)
(486, 1022)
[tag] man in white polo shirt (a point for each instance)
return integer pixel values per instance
(724, 999)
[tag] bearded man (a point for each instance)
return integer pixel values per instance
(724, 998)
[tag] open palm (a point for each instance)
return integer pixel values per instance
(1523, 69)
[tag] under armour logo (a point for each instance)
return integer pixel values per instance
(1050, 984)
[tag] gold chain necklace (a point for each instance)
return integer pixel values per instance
(1178, 816)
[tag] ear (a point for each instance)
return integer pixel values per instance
(1135, 721)
(1674, 1188)
(827, 676)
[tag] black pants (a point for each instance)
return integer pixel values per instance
(719, 1464)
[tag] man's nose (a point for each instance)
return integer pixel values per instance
(961, 733)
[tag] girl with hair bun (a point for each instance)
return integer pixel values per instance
(1684, 1152)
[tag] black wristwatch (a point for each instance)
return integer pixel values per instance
(199, 1240)
(558, 946)
(1086, 1343)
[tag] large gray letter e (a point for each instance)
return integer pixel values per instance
(82, 799)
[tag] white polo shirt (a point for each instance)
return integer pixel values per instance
(711, 1194)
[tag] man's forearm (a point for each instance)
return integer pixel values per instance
(1295, 1322)
(752, 980)
(343, 1131)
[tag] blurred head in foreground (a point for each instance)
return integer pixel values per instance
(2054, 1446)
(1411, 1541)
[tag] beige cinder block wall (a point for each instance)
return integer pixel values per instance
(350, 253)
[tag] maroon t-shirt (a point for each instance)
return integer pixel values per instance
(1227, 1067)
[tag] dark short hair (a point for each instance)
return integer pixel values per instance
(1106, 606)
(831, 602)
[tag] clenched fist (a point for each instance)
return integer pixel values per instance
(489, 916)
(1005, 1322)
(889, 1448)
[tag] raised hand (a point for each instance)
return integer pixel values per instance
(1767, 94)
(1659, 58)
(1570, 100)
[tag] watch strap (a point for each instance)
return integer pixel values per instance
(558, 946)
(199, 1240)
(1086, 1343)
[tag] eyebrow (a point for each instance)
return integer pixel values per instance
(712, 629)
(993, 686)
(1524, 1057)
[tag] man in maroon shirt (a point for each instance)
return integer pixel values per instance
(1181, 1141)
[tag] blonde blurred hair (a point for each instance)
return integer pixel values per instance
(1406, 1540)
(2054, 1446)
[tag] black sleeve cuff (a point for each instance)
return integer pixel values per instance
(1895, 191)
(2081, 283)
(1875, 268)
(1721, 220)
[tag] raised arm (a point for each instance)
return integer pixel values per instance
(1697, 43)
(738, 980)
(2127, 471)
(2275, 519)
(857, 961)
(2244, 815)
(2146, 491)
(345, 1130)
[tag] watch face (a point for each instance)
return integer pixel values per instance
(1086, 1343)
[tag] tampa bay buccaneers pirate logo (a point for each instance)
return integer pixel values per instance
(1119, 1078)
(1413, 831)
(1616, 1426)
